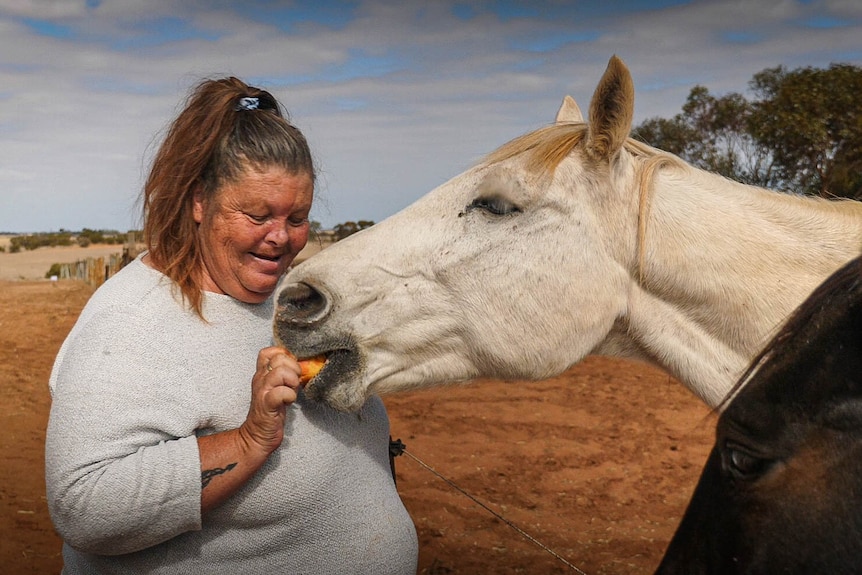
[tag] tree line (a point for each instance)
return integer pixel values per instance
(801, 132)
(88, 236)
(66, 238)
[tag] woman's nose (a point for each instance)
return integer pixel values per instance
(278, 234)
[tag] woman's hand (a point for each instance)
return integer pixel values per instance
(274, 387)
(230, 458)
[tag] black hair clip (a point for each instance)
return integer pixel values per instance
(247, 104)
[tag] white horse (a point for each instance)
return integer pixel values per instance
(570, 240)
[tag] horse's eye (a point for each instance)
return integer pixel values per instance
(744, 465)
(494, 205)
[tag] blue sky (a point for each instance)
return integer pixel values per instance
(395, 97)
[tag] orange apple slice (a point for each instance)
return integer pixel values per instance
(311, 367)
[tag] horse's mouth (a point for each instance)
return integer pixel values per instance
(339, 383)
(316, 357)
(334, 382)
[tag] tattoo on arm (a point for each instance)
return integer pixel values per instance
(206, 476)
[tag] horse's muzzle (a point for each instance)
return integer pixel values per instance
(301, 305)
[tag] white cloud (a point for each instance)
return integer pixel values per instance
(81, 111)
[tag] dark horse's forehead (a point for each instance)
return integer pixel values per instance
(812, 369)
(822, 389)
(844, 414)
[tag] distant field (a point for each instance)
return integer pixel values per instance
(33, 265)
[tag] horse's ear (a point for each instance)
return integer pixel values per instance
(569, 111)
(611, 111)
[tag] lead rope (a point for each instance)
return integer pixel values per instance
(397, 448)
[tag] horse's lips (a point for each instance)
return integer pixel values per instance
(335, 384)
(342, 366)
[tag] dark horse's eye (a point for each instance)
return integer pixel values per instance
(494, 205)
(744, 465)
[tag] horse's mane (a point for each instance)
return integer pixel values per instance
(834, 303)
(549, 145)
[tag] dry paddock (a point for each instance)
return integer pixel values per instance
(597, 464)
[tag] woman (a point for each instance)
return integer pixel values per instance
(179, 440)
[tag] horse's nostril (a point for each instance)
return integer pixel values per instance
(299, 303)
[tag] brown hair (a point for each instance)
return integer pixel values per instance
(218, 135)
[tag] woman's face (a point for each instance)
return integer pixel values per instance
(252, 231)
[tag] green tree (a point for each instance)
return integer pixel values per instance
(803, 132)
(711, 133)
(349, 228)
(671, 135)
(811, 119)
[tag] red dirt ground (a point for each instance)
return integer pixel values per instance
(596, 464)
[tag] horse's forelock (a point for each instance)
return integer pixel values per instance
(550, 145)
(547, 147)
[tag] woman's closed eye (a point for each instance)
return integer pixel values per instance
(257, 218)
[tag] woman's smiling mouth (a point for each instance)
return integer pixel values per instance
(274, 258)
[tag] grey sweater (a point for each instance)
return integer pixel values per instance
(137, 380)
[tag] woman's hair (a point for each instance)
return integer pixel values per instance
(225, 128)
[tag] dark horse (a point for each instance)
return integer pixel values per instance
(781, 491)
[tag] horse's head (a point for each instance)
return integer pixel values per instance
(516, 268)
(782, 489)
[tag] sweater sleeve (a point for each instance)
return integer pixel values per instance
(122, 462)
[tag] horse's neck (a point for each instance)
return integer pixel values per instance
(723, 265)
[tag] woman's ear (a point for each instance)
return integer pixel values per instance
(199, 208)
